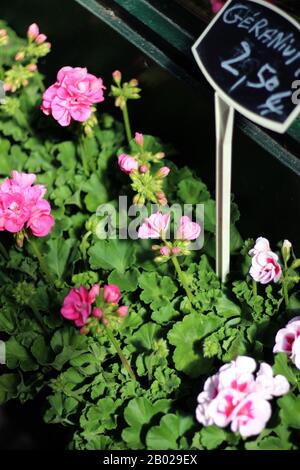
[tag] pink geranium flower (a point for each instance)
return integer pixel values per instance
(22, 205)
(154, 226)
(78, 304)
(288, 341)
(188, 230)
(73, 95)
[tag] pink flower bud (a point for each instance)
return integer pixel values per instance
(122, 311)
(84, 330)
(6, 87)
(19, 56)
(93, 293)
(97, 312)
(164, 250)
(105, 321)
(32, 67)
(40, 38)
(111, 294)
(3, 33)
(48, 45)
(33, 31)
(117, 76)
(133, 82)
(139, 139)
(127, 163)
(143, 169)
(164, 171)
(176, 250)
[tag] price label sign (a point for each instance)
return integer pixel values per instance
(250, 54)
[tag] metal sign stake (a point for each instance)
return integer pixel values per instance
(224, 131)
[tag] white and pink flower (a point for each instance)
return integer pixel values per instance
(237, 397)
(288, 341)
(265, 267)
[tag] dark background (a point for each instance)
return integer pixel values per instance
(267, 193)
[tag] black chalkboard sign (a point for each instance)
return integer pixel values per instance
(250, 54)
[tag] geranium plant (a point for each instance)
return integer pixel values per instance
(134, 341)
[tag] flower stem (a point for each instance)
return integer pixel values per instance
(285, 293)
(41, 260)
(182, 279)
(126, 122)
(124, 361)
(254, 288)
(84, 159)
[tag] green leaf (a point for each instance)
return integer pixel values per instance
(66, 154)
(58, 255)
(226, 308)
(61, 406)
(8, 387)
(112, 254)
(126, 281)
(41, 351)
(144, 338)
(138, 413)
(67, 343)
(212, 437)
(282, 366)
(157, 290)
(290, 410)
(96, 193)
(165, 436)
(186, 336)
(165, 314)
(18, 356)
(192, 191)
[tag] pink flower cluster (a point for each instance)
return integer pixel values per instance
(73, 95)
(22, 205)
(265, 267)
(237, 397)
(78, 303)
(157, 225)
(288, 341)
(33, 34)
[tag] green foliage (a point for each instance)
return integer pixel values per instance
(171, 346)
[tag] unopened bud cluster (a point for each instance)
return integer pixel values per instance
(124, 91)
(26, 57)
(147, 182)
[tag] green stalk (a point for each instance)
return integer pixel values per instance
(126, 122)
(182, 279)
(84, 159)
(285, 292)
(41, 260)
(254, 288)
(119, 351)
